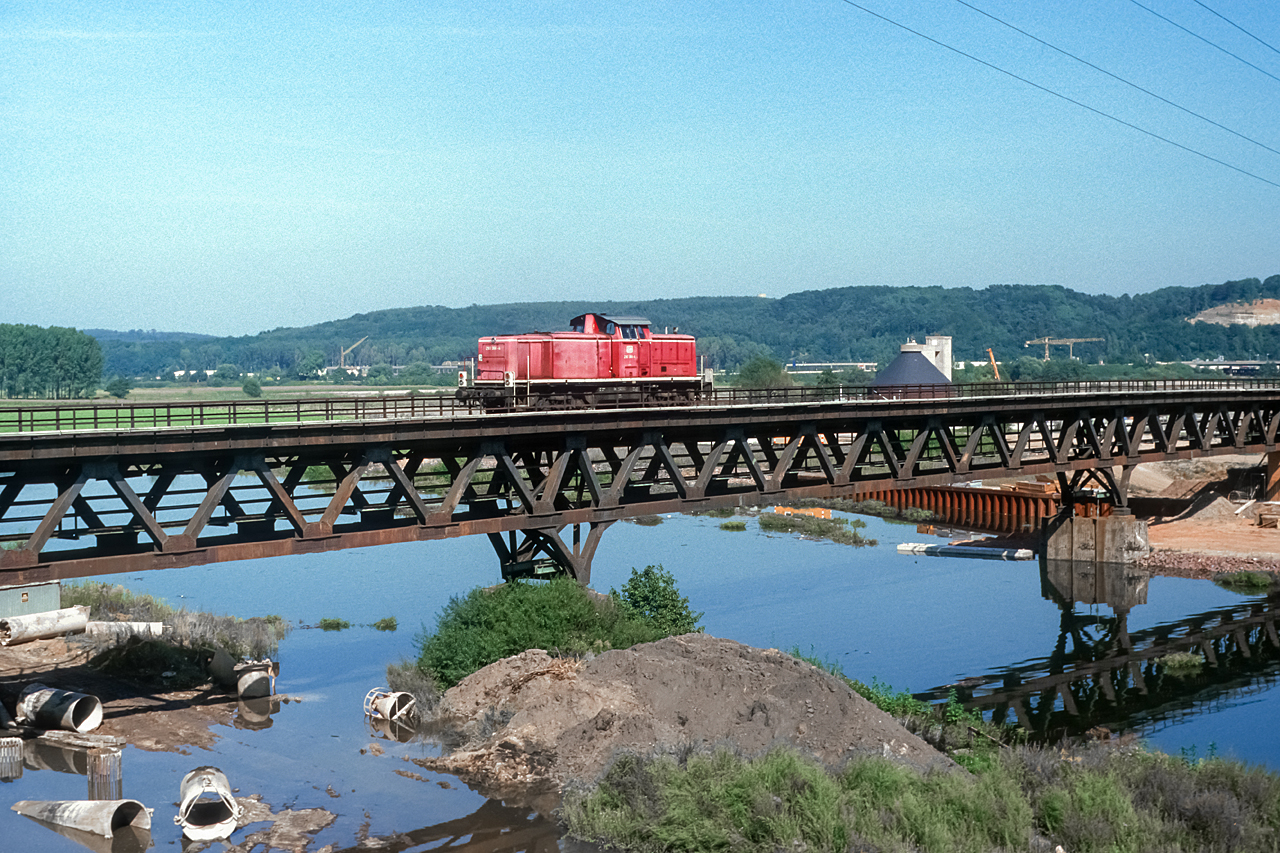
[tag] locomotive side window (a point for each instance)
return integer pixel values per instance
(609, 329)
(578, 327)
(629, 332)
(644, 333)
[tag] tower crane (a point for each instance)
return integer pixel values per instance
(1069, 343)
(342, 358)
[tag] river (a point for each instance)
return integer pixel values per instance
(913, 622)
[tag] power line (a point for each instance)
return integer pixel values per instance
(1206, 41)
(1069, 100)
(1118, 78)
(1237, 26)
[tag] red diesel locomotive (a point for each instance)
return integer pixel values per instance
(600, 361)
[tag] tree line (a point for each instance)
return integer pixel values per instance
(52, 363)
(836, 325)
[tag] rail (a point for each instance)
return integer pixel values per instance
(78, 416)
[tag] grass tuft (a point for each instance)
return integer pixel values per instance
(334, 624)
(1095, 799)
(736, 526)
(387, 624)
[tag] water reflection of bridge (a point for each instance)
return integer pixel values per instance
(492, 828)
(1101, 674)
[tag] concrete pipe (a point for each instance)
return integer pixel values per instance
(101, 817)
(209, 818)
(251, 679)
(256, 679)
(40, 626)
(50, 708)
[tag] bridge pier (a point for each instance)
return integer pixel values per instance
(1272, 492)
(1117, 538)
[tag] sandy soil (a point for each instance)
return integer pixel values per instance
(566, 719)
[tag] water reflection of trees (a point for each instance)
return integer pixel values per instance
(1101, 674)
(492, 828)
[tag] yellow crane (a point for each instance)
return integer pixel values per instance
(342, 359)
(992, 356)
(1069, 343)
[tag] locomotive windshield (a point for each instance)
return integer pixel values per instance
(629, 328)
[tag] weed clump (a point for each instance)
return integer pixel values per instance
(334, 624)
(1245, 583)
(407, 677)
(735, 526)
(1182, 664)
(179, 659)
(388, 624)
(841, 530)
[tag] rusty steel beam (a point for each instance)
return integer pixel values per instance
(235, 492)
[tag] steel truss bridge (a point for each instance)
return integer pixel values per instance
(95, 490)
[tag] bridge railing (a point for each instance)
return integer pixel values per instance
(70, 417)
(77, 416)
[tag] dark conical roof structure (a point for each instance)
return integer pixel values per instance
(911, 367)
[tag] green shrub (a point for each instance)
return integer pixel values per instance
(334, 624)
(388, 624)
(651, 595)
(735, 526)
(487, 625)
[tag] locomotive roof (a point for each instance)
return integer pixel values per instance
(625, 321)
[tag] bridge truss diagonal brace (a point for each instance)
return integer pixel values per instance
(68, 494)
(281, 494)
(111, 473)
(402, 482)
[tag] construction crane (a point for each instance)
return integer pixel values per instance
(992, 356)
(342, 359)
(1069, 343)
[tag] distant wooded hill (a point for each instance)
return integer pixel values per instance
(841, 324)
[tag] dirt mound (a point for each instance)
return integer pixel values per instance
(534, 722)
(1210, 507)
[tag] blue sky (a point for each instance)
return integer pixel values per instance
(232, 167)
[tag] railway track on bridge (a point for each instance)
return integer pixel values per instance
(88, 490)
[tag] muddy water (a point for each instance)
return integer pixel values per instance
(913, 622)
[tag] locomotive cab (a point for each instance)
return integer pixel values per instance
(620, 328)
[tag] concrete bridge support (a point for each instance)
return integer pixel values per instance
(1100, 540)
(1117, 538)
